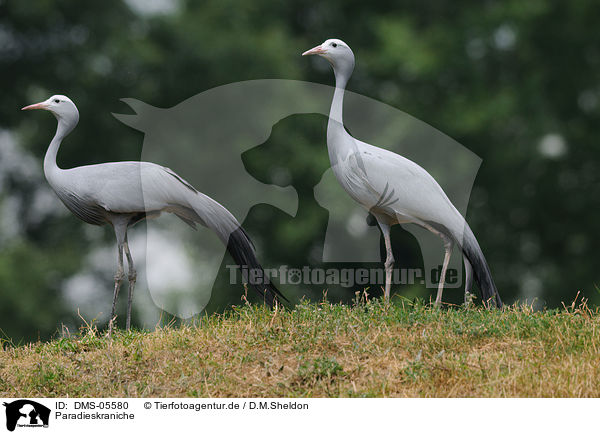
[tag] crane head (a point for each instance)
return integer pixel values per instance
(60, 106)
(336, 51)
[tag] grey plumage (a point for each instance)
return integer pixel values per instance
(123, 193)
(394, 189)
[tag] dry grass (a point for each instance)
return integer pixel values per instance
(325, 350)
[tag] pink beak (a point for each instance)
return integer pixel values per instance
(39, 105)
(317, 50)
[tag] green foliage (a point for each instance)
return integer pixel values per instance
(319, 369)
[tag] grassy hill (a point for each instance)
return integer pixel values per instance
(316, 350)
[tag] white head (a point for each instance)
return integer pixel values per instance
(338, 53)
(61, 107)
(25, 411)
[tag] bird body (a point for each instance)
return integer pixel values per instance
(363, 174)
(123, 193)
(96, 193)
(394, 189)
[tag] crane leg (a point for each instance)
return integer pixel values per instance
(468, 280)
(120, 227)
(132, 279)
(389, 260)
(447, 252)
(118, 276)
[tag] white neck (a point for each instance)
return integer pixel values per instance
(338, 140)
(336, 113)
(50, 166)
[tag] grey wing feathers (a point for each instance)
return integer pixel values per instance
(140, 189)
(400, 188)
(414, 193)
(180, 179)
(89, 212)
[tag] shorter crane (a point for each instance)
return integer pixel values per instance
(113, 193)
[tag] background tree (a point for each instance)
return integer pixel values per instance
(515, 82)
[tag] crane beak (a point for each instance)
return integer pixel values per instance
(317, 50)
(39, 105)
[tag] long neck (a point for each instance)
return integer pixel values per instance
(336, 113)
(50, 165)
(339, 142)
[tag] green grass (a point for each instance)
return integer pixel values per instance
(314, 350)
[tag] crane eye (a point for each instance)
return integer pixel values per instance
(56, 101)
(333, 44)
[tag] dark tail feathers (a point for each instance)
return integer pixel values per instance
(240, 247)
(483, 276)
